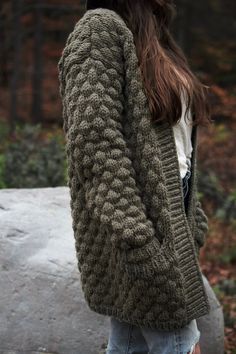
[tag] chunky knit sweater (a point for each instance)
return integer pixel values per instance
(136, 248)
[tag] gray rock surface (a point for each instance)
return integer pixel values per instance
(212, 326)
(41, 303)
(42, 307)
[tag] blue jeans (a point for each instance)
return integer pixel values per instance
(125, 338)
(185, 186)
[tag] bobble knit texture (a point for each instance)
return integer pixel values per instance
(136, 248)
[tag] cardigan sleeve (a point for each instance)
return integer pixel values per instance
(91, 78)
(202, 226)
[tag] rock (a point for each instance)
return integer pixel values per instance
(212, 326)
(42, 305)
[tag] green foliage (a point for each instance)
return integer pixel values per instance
(4, 134)
(229, 320)
(218, 291)
(222, 133)
(2, 166)
(32, 160)
(210, 186)
(225, 204)
(227, 211)
(229, 256)
(226, 288)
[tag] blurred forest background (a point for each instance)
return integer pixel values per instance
(32, 36)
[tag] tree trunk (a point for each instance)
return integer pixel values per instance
(37, 114)
(15, 73)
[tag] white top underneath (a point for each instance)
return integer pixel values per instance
(182, 134)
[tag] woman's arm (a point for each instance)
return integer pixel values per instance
(91, 77)
(201, 226)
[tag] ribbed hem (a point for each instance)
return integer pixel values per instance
(196, 297)
(159, 325)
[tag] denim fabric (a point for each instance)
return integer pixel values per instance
(125, 338)
(185, 186)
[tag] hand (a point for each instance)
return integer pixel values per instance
(196, 350)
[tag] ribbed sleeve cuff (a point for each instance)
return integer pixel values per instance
(202, 226)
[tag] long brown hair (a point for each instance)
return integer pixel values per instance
(164, 67)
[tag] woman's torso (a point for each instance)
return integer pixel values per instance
(135, 158)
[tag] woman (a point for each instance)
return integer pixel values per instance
(137, 221)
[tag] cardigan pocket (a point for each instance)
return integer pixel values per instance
(161, 261)
(162, 270)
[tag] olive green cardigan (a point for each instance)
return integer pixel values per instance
(136, 248)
